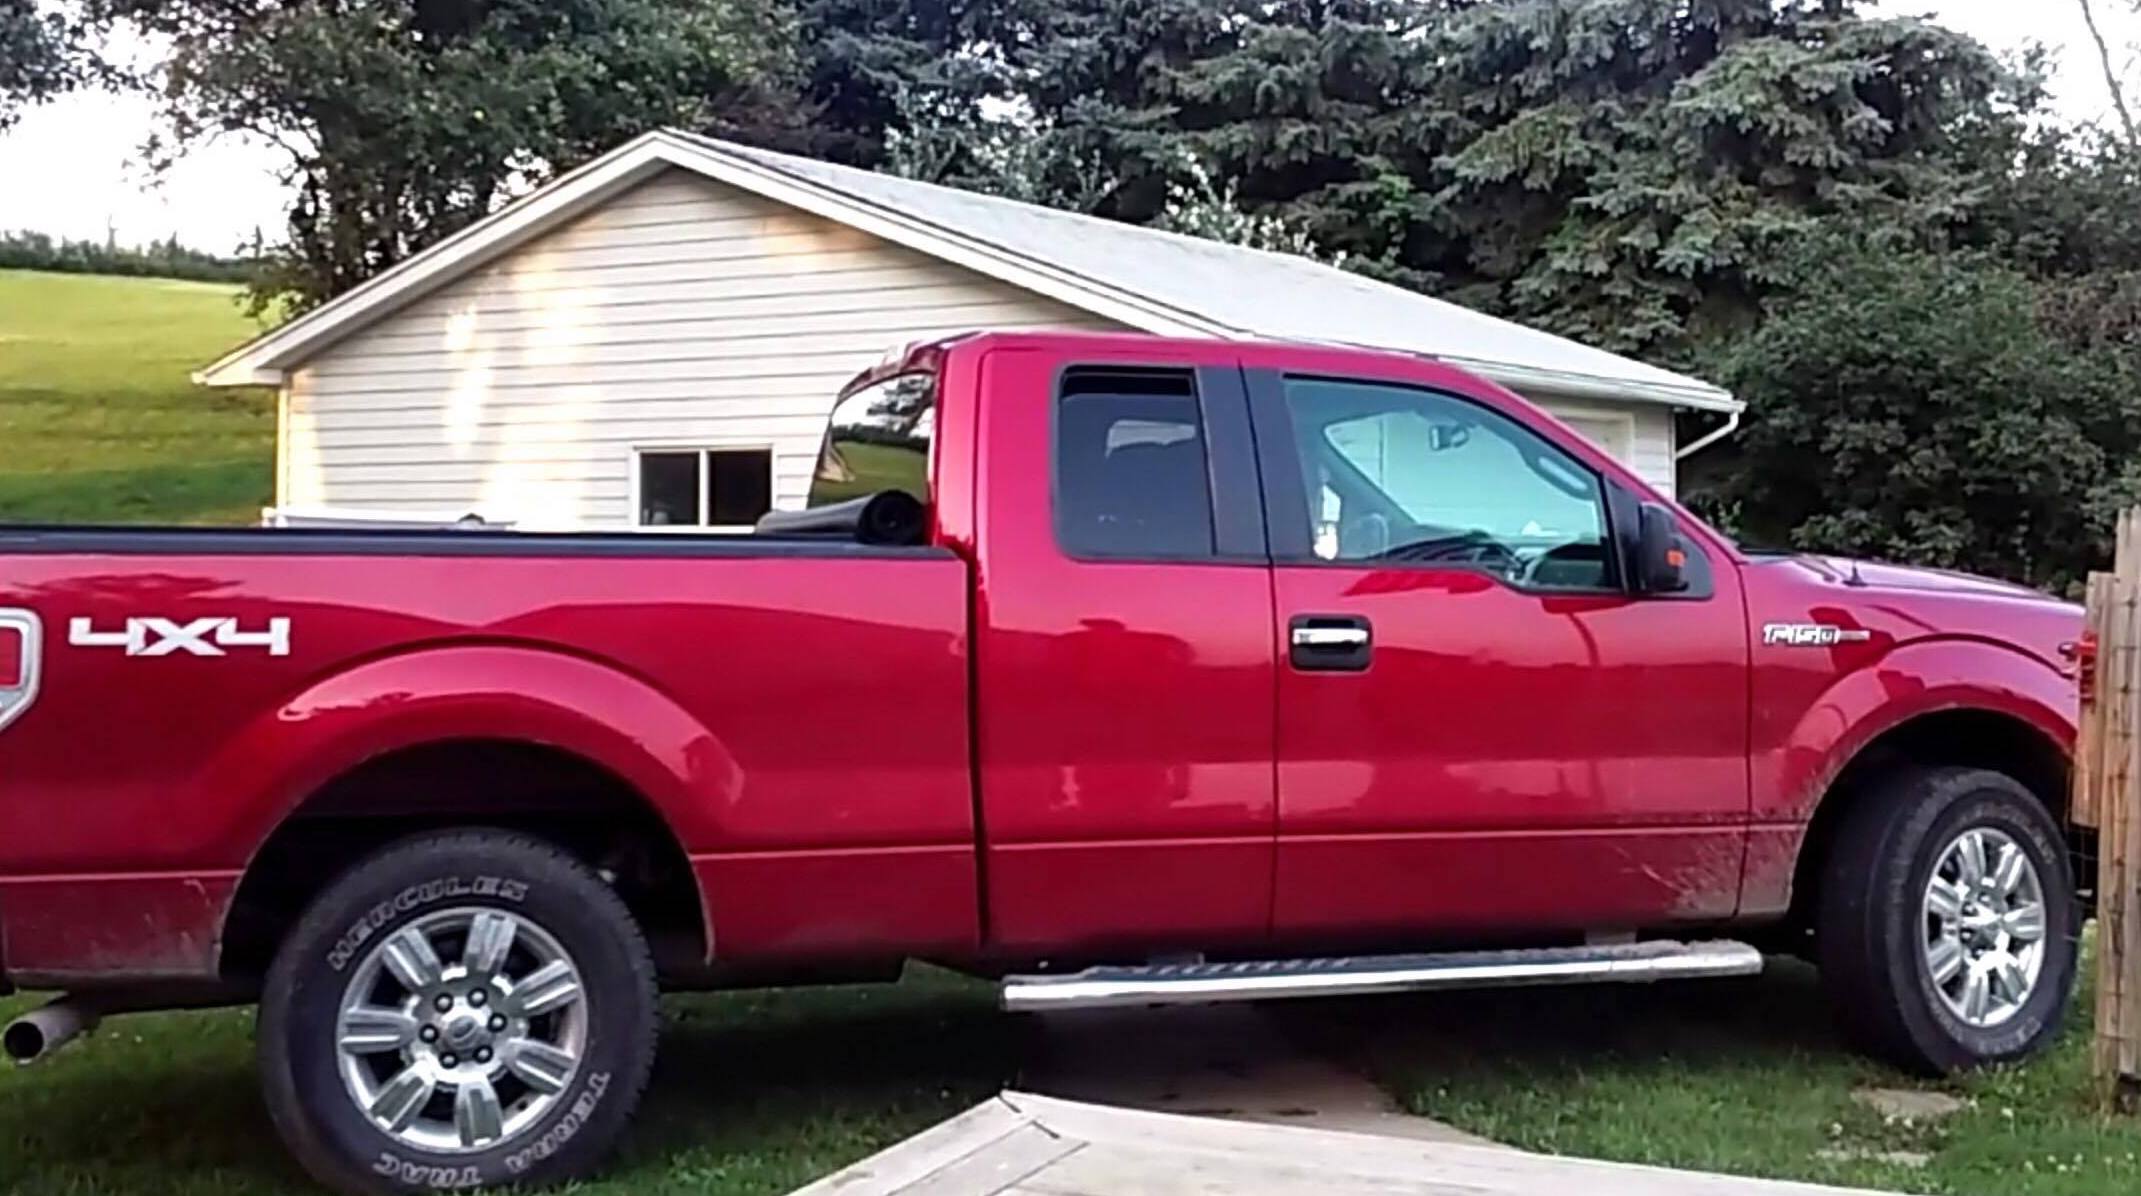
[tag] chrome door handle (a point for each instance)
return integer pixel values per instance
(1329, 643)
(1330, 637)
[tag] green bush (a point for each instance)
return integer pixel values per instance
(1942, 409)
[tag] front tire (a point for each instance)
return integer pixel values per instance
(1948, 931)
(461, 1010)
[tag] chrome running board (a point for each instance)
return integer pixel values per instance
(1262, 980)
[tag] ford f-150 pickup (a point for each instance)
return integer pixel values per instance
(1120, 669)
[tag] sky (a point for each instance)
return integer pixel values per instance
(72, 167)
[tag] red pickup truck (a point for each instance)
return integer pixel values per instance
(1125, 670)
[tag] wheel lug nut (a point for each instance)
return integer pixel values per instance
(443, 1004)
(449, 1061)
(483, 1054)
(498, 1023)
(429, 1033)
(477, 998)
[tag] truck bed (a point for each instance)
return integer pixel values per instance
(198, 686)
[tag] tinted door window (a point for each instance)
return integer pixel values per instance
(1131, 480)
(1398, 475)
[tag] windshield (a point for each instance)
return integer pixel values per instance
(878, 439)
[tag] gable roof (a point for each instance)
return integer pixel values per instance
(1153, 281)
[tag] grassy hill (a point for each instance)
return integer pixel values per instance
(98, 420)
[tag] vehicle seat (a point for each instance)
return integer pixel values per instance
(1153, 500)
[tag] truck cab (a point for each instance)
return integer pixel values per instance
(1307, 645)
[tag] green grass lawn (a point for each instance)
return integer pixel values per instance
(762, 1092)
(754, 1093)
(99, 422)
(1745, 1077)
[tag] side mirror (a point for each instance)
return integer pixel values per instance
(1660, 559)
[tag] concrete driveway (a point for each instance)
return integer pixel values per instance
(1198, 1101)
(1020, 1144)
(1228, 1061)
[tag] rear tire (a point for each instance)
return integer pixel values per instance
(461, 1010)
(1948, 931)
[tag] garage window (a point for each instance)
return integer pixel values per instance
(711, 489)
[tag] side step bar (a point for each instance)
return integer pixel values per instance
(1207, 983)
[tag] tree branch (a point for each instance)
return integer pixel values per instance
(2111, 74)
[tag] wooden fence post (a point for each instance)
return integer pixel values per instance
(2107, 795)
(2085, 804)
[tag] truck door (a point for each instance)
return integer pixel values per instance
(1479, 728)
(1124, 654)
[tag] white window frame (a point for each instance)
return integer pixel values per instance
(702, 447)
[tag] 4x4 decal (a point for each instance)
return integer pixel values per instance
(151, 636)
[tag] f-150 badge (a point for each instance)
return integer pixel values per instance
(150, 636)
(1812, 635)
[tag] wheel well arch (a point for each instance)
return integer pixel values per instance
(1963, 737)
(541, 790)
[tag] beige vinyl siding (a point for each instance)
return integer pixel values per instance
(682, 314)
(1656, 444)
(1640, 435)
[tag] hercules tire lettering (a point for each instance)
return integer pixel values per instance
(334, 1138)
(416, 897)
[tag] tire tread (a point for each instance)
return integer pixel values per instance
(1867, 879)
(418, 855)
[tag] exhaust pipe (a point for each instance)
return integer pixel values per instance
(35, 1035)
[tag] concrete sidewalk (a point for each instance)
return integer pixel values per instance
(1019, 1144)
(1227, 1061)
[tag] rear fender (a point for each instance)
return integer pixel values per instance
(442, 694)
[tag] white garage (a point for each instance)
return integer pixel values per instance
(654, 340)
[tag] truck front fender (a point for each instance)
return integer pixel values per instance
(1793, 773)
(1795, 764)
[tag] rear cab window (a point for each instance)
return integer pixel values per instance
(879, 438)
(1132, 480)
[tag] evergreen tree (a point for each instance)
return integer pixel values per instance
(1624, 171)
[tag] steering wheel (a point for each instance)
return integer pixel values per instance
(1371, 535)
